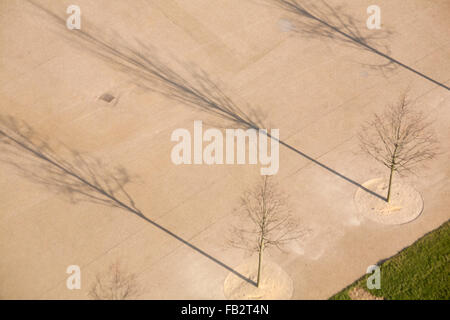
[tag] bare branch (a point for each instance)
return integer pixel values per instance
(267, 221)
(400, 138)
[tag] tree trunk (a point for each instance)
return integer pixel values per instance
(261, 249)
(393, 163)
(390, 185)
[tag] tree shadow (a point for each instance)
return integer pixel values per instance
(73, 175)
(319, 20)
(190, 86)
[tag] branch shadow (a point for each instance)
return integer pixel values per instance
(319, 20)
(193, 87)
(75, 176)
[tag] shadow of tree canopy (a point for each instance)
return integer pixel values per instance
(190, 85)
(66, 171)
(319, 20)
(73, 175)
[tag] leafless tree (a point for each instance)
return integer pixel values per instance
(268, 221)
(400, 138)
(116, 284)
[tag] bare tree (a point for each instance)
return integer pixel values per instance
(116, 284)
(400, 138)
(270, 223)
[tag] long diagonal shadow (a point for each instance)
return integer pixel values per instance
(79, 178)
(328, 22)
(196, 89)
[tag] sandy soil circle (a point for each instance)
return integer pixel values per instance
(406, 203)
(275, 284)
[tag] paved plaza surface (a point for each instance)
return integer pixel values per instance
(281, 71)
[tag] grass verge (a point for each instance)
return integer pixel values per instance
(420, 271)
